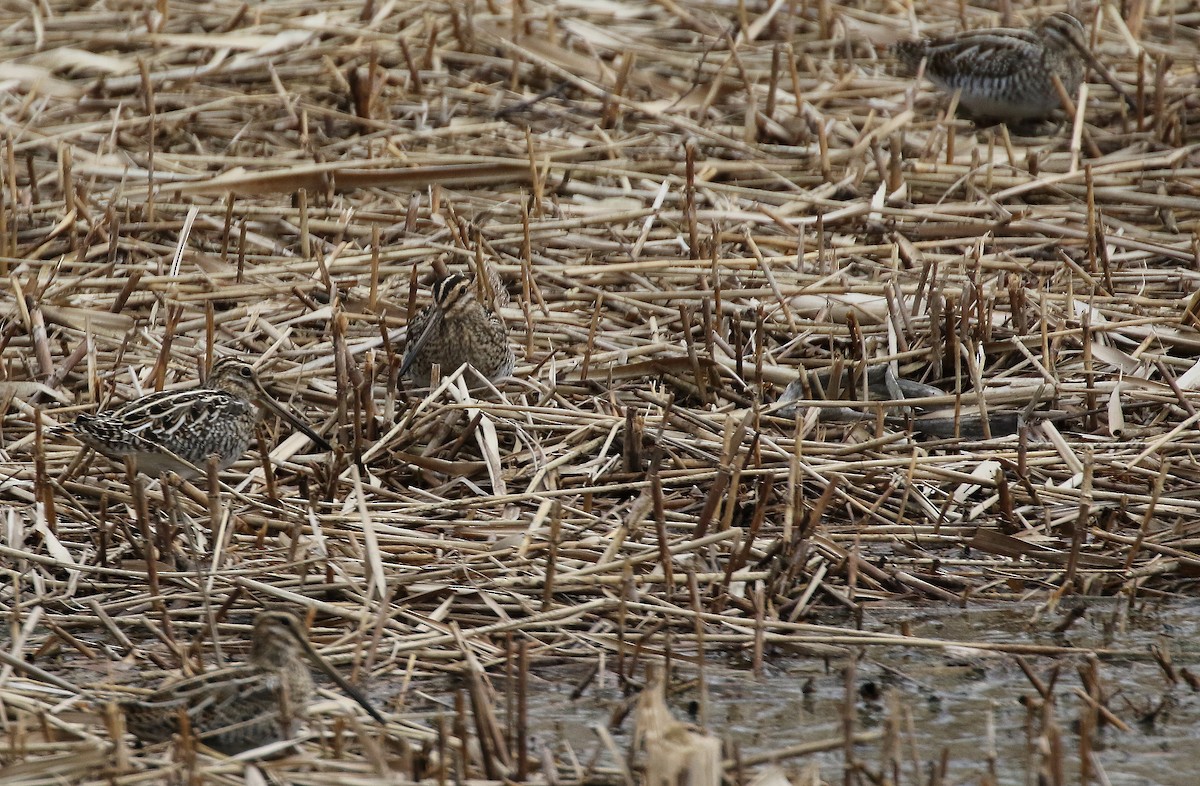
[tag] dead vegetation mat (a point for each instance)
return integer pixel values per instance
(792, 340)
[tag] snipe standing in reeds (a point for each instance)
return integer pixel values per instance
(244, 706)
(455, 329)
(178, 430)
(1006, 74)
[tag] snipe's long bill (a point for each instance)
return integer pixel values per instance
(1007, 74)
(247, 706)
(178, 430)
(455, 329)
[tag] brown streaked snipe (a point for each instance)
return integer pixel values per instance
(178, 430)
(455, 329)
(245, 706)
(1007, 74)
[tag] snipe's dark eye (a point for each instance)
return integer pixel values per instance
(246, 372)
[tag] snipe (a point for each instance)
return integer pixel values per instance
(1006, 74)
(245, 706)
(178, 430)
(455, 329)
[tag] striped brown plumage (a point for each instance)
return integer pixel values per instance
(455, 329)
(178, 430)
(1005, 73)
(244, 706)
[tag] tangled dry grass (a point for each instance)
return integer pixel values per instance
(680, 210)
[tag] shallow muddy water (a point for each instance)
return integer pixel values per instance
(950, 697)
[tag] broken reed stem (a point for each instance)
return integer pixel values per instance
(552, 555)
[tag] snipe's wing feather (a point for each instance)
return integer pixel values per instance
(494, 346)
(230, 710)
(109, 435)
(163, 416)
(982, 56)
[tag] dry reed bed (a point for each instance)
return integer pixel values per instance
(681, 210)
